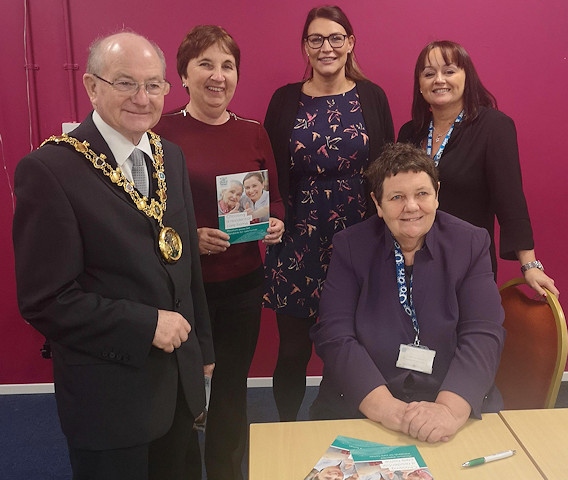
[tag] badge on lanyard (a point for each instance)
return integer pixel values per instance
(412, 356)
(416, 357)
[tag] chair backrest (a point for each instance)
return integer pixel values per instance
(534, 355)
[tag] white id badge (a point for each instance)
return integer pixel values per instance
(419, 359)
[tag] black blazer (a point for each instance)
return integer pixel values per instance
(480, 179)
(90, 278)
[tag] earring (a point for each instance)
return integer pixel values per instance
(184, 85)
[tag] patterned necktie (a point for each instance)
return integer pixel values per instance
(139, 173)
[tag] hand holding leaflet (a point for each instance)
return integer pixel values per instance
(243, 205)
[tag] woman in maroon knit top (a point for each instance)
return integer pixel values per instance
(218, 142)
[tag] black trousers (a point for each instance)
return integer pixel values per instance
(175, 456)
(235, 319)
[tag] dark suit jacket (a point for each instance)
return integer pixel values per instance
(362, 323)
(90, 278)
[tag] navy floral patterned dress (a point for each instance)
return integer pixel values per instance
(329, 151)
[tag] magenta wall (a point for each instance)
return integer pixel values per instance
(520, 50)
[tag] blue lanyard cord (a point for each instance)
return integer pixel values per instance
(444, 143)
(404, 293)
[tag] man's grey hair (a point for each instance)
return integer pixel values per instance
(95, 61)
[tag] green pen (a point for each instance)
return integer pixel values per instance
(488, 458)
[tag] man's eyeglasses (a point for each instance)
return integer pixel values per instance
(153, 88)
(336, 40)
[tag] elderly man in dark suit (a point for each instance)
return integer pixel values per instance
(108, 269)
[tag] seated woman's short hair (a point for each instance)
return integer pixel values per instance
(395, 158)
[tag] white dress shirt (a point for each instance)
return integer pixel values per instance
(120, 146)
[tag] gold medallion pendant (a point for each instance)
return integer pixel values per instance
(169, 241)
(170, 244)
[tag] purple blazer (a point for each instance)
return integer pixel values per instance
(362, 323)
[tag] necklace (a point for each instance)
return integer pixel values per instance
(169, 241)
(440, 135)
(438, 154)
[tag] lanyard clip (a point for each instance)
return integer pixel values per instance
(416, 341)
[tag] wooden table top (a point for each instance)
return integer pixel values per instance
(289, 450)
(544, 435)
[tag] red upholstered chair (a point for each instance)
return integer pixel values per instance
(534, 355)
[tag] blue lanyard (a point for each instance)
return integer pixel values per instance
(444, 143)
(405, 294)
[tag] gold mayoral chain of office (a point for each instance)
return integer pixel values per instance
(169, 241)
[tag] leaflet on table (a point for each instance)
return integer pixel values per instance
(354, 459)
(337, 459)
(390, 462)
(243, 205)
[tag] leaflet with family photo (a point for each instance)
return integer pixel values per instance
(243, 205)
(354, 459)
(337, 461)
(400, 462)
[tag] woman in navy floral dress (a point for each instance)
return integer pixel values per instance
(323, 132)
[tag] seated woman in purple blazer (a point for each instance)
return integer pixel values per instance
(410, 329)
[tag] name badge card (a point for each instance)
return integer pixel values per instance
(417, 358)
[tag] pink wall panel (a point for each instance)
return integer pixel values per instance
(520, 50)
